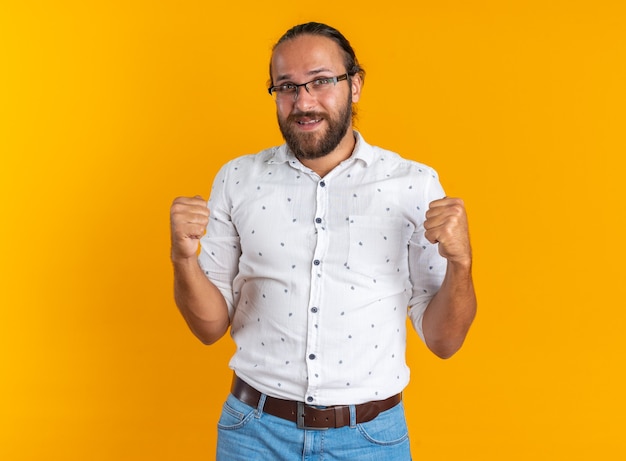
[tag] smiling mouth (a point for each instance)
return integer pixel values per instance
(307, 119)
(309, 122)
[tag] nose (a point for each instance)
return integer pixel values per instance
(303, 98)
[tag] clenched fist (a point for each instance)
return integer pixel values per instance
(189, 217)
(446, 224)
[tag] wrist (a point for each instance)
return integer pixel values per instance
(460, 264)
(183, 261)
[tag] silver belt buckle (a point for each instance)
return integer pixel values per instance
(300, 419)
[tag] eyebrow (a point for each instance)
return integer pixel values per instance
(309, 73)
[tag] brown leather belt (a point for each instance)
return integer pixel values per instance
(308, 417)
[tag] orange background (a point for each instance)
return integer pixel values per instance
(110, 109)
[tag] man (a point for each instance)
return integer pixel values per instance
(313, 250)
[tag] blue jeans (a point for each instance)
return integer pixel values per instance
(248, 434)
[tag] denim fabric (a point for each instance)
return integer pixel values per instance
(247, 434)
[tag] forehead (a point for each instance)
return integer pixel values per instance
(306, 55)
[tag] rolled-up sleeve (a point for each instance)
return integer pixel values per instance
(427, 267)
(220, 248)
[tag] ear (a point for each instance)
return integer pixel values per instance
(356, 84)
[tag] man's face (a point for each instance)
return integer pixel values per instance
(313, 125)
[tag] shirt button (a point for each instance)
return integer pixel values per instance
(312, 356)
(309, 399)
(314, 310)
(322, 184)
(317, 262)
(318, 220)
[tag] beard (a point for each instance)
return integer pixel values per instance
(315, 145)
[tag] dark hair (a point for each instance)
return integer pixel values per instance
(315, 28)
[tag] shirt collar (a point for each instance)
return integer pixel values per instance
(362, 151)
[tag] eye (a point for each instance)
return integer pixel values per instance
(286, 88)
(322, 81)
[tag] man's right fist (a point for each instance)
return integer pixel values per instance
(189, 217)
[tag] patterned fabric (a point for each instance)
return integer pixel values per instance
(318, 272)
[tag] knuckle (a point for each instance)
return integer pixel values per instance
(458, 209)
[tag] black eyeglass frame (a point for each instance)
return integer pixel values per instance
(296, 86)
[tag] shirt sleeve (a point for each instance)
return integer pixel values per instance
(427, 267)
(220, 248)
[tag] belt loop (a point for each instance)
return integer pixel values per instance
(352, 416)
(259, 408)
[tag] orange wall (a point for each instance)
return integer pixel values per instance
(110, 109)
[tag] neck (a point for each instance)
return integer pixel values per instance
(323, 165)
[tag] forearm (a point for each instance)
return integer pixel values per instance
(450, 313)
(199, 301)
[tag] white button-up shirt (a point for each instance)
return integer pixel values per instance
(318, 272)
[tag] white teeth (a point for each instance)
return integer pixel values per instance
(309, 122)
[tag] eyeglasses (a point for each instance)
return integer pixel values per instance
(314, 87)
